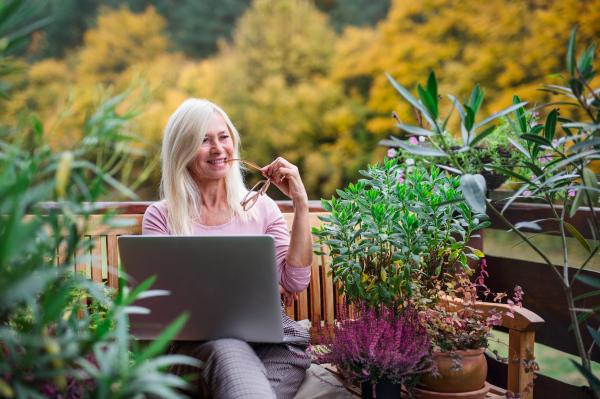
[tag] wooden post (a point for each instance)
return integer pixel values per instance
(315, 290)
(518, 379)
(112, 260)
(96, 253)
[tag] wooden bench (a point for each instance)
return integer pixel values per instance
(318, 302)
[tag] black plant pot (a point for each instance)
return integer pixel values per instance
(493, 179)
(385, 389)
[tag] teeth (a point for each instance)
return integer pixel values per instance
(221, 161)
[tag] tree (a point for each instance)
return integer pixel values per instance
(505, 46)
(121, 41)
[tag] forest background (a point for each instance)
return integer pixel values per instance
(301, 79)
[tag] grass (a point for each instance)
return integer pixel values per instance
(501, 243)
(553, 363)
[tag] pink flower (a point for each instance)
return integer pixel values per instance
(414, 140)
(571, 192)
(391, 153)
(533, 124)
(549, 157)
(555, 142)
(495, 112)
(543, 160)
(400, 179)
(536, 113)
(527, 193)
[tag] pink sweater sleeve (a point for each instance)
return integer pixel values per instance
(293, 279)
(155, 220)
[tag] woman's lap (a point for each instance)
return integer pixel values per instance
(236, 369)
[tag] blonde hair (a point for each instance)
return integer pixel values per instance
(182, 139)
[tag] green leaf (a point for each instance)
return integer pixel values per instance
(476, 252)
(411, 99)
(593, 381)
(585, 144)
(580, 318)
(489, 130)
(520, 115)
(429, 102)
(453, 170)
(140, 288)
(576, 203)
(520, 148)
(550, 126)
(571, 52)
(578, 236)
(593, 282)
(595, 335)
(474, 188)
(157, 346)
(432, 86)
(589, 294)
(509, 173)
(473, 97)
(499, 114)
(452, 201)
(415, 130)
(418, 150)
(536, 139)
(54, 304)
(589, 179)
(372, 250)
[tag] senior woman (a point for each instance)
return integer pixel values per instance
(203, 193)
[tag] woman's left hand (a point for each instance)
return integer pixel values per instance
(288, 297)
(287, 178)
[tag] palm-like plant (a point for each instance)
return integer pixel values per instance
(564, 175)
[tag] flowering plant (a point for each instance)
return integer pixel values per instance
(383, 240)
(454, 322)
(376, 344)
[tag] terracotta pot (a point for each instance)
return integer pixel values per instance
(471, 378)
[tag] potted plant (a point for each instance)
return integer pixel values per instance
(569, 146)
(394, 231)
(495, 149)
(378, 347)
(460, 335)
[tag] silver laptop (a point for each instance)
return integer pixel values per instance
(228, 284)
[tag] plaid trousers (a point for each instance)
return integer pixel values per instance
(237, 369)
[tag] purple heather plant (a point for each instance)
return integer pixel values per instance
(376, 344)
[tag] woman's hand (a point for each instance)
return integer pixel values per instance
(288, 297)
(287, 178)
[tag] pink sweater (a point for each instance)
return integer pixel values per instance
(269, 221)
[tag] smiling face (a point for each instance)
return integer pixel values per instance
(216, 147)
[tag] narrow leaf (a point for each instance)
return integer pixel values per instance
(473, 191)
(418, 150)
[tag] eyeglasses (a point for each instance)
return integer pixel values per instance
(259, 188)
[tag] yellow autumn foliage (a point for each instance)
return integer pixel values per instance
(507, 47)
(120, 41)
